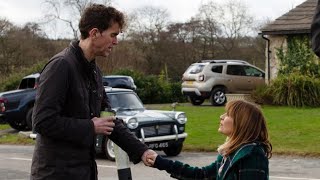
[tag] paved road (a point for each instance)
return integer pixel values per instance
(15, 162)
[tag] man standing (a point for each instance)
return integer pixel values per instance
(69, 100)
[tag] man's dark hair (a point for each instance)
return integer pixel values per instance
(100, 17)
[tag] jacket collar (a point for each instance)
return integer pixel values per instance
(88, 67)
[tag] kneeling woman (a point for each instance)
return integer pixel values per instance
(244, 155)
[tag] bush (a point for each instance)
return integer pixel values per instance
(296, 90)
(154, 89)
(291, 90)
(177, 96)
(13, 80)
(298, 57)
(261, 95)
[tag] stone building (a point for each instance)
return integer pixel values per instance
(296, 22)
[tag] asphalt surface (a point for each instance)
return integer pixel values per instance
(15, 163)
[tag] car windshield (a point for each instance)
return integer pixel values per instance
(119, 82)
(115, 81)
(125, 102)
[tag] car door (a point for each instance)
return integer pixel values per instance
(254, 76)
(237, 81)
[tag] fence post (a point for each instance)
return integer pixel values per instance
(122, 161)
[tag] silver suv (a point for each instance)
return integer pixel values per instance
(212, 79)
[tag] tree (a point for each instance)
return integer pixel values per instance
(5, 27)
(21, 47)
(146, 29)
(68, 12)
(224, 24)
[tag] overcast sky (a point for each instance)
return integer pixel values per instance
(21, 11)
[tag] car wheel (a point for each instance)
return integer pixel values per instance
(196, 100)
(29, 118)
(218, 97)
(109, 149)
(20, 126)
(173, 150)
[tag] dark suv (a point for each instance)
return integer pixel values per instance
(16, 105)
(212, 79)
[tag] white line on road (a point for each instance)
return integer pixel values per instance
(104, 166)
(21, 159)
(291, 178)
(25, 159)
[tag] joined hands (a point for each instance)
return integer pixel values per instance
(149, 157)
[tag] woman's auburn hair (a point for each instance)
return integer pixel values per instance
(249, 125)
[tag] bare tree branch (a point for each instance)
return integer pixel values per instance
(68, 12)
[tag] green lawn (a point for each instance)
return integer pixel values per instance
(4, 126)
(15, 139)
(292, 130)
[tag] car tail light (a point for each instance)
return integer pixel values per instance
(2, 104)
(201, 77)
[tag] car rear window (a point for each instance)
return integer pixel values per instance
(195, 69)
(27, 83)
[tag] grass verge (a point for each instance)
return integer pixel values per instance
(4, 126)
(293, 131)
(16, 139)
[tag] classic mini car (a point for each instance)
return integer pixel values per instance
(159, 130)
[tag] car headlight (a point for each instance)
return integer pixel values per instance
(181, 118)
(132, 123)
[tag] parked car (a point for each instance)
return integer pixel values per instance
(16, 105)
(212, 79)
(119, 81)
(159, 130)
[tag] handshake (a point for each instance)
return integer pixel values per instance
(149, 157)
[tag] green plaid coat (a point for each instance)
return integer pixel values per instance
(249, 162)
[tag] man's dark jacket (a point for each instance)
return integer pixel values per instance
(69, 95)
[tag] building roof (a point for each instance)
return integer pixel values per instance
(296, 21)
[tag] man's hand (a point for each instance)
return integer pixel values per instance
(151, 158)
(148, 153)
(103, 125)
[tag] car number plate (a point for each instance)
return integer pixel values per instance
(158, 145)
(189, 82)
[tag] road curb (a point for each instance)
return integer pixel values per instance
(8, 131)
(25, 134)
